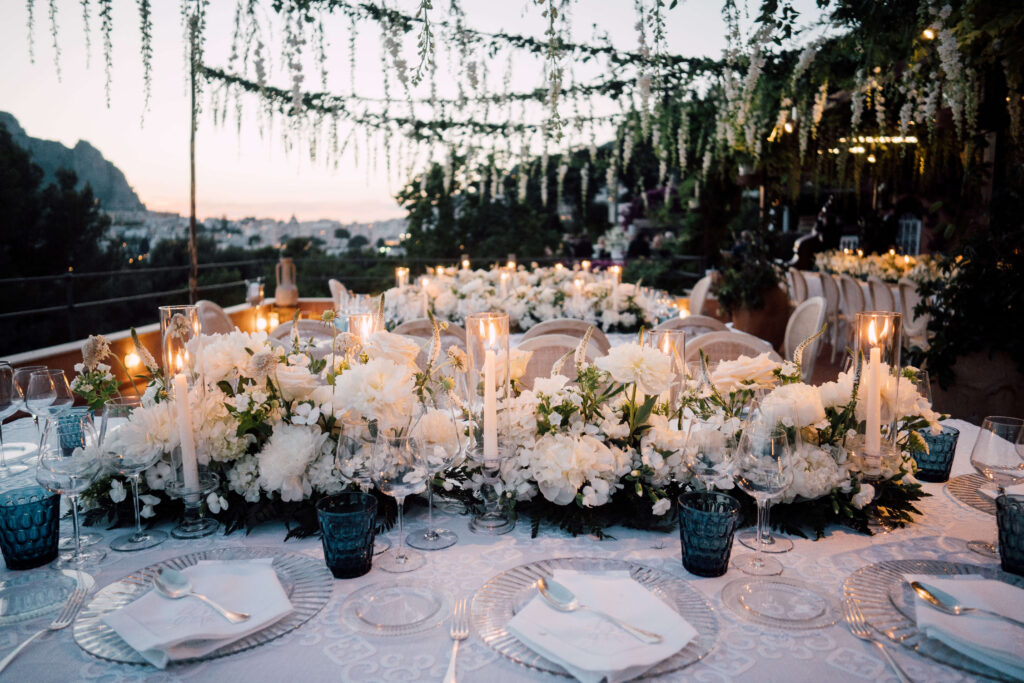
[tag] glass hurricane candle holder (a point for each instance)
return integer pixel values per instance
(878, 355)
(179, 326)
(487, 386)
(401, 277)
(193, 524)
(672, 343)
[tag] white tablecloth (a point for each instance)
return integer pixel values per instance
(324, 649)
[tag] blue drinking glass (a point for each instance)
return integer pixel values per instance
(347, 523)
(28, 527)
(707, 521)
(934, 466)
(1010, 520)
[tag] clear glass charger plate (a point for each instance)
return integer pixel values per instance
(500, 598)
(305, 580)
(33, 594)
(780, 602)
(395, 608)
(879, 591)
(966, 489)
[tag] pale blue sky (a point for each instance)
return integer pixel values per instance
(246, 175)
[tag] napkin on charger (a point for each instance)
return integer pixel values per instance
(591, 648)
(988, 639)
(162, 630)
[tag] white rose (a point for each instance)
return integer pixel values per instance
(295, 382)
(864, 496)
(661, 507)
(796, 405)
(394, 347)
(731, 375)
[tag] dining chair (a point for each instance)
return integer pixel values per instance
(546, 350)
(881, 295)
(830, 291)
(213, 318)
(693, 325)
(699, 294)
(798, 286)
(339, 293)
(805, 321)
(915, 328)
(422, 327)
(570, 327)
(728, 345)
(852, 304)
(307, 329)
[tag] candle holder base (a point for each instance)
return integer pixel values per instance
(193, 524)
(493, 523)
(872, 465)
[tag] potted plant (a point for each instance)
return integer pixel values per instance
(748, 289)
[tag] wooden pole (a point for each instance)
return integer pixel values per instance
(193, 249)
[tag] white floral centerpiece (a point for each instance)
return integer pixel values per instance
(888, 267)
(594, 445)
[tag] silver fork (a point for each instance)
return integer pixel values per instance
(459, 631)
(859, 627)
(63, 620)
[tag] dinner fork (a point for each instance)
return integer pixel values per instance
(858, 627)
(63, 620)
(459, 631)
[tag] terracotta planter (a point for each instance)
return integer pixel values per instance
(983, 386)
(767, 322)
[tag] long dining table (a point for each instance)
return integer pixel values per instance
(325, 648)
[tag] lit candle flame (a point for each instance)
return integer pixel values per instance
(492, 334)
(179, 363)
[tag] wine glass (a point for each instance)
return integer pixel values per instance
(22, 375)
(10, 401)
(438, 432)
(349, 458)
(69, 461)
(129, 462)
(998, 455)
(710, 458)
(399, 469)
(763, 470)
(48, 393)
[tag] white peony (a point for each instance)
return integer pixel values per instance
(794, 405)
(394, 347)
(380, 390)
(648, 368)
(517, 362)
(744, 372)
(225, 355)
(284, 458)
(562, 464)
(437, 433)
(863, 497)
(150, 430)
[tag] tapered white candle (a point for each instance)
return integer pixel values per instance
(873, 394)
(490, 401)
(189, 465)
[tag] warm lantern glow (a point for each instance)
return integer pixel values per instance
(585, 265)
(892, 252)
(132, 360)
(928, 34)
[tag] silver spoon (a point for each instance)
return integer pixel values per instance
(564, 600)
(947, 603)
(173, 584)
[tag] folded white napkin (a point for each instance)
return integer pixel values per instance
(988, 639)
(993, 491)
(591, 648)
(162, 630)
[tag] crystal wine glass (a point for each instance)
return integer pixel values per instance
(438, 431)
(48, 393)
(710, 458)
(399, 469)
(69, 461)
(998, 455)
(129, 462)
(350, 459)
(10, 401)
(763, 470)
(22, 375)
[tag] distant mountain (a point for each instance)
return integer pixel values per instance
(108, 183)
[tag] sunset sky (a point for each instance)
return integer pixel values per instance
(242, 174)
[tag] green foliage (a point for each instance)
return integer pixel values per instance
(746, 276)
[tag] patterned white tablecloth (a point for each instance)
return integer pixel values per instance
(325, 649)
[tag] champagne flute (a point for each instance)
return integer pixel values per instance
(130, 463)
(69, 461)
(399, 469)
(10, 400)
(998, 455)
(763, 470)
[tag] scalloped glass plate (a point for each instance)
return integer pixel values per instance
(499, 599)
(780, 602)
(305, 580)
(966, 489)
(395, 608)
(887, 608)
(33, 594)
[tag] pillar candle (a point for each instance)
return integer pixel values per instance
(490, 408)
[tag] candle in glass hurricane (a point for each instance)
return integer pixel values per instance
(189, 464)
(465, 263)
(878, 350)
(615, 274)
(872, 393)
(585, 265)
(401, 277)
(504, 278)
(361, 325)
